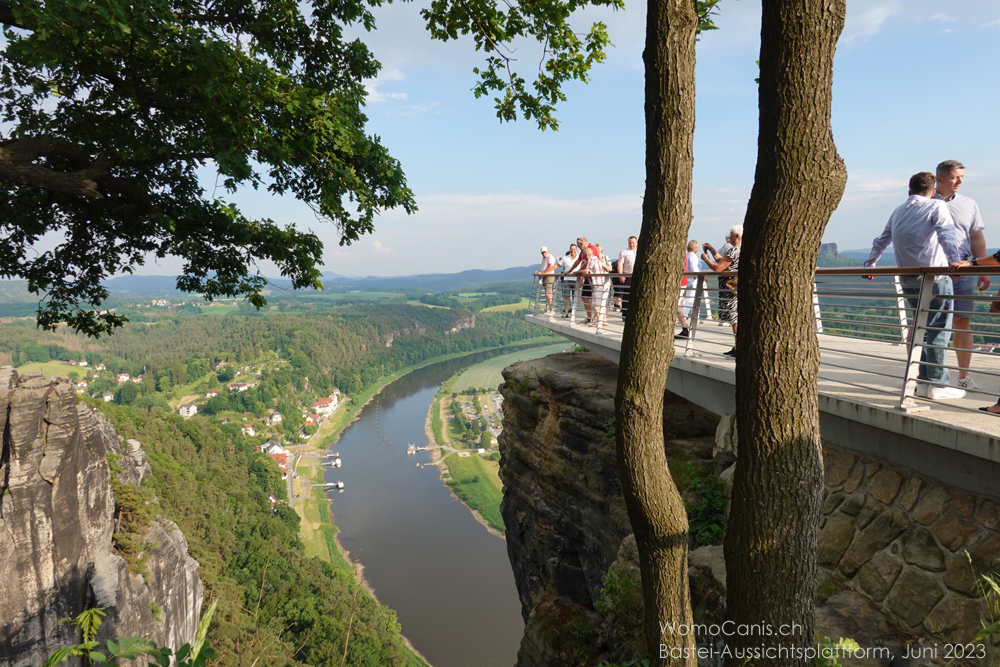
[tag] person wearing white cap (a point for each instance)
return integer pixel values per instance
(548, 276)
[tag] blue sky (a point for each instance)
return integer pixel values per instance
(915, 83)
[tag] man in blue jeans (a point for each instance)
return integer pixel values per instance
(922, 233)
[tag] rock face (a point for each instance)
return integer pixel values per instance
(563, 504)
(904, 549)
(57, 517)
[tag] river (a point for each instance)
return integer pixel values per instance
(423, 553)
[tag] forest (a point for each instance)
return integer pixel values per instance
(276, 606)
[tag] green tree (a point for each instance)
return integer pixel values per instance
(486, 439)
(109, 109)
(127, 394)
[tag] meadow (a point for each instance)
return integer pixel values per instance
(487, 374)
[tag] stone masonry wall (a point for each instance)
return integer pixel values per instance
(912, 546)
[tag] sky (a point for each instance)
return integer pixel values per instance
(915, 83)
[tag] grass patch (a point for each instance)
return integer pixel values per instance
(478, 486)
(487, 373)
(411, 659)
(219, 309)
(54, 368)
(523, 304)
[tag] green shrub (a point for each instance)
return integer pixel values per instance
(621, 602)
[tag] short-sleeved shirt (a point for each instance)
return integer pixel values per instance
(566, 262)
(548, 261)
(968, 220)
(626, 260)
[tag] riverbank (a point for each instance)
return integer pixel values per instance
(472, 479)
(314, 513)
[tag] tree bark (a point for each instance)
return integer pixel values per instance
(655, 507)
(777, 488)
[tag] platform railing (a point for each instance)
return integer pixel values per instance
(846, 306)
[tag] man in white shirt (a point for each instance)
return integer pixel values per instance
(626, 265)
(971, 243)
(922, 233)
(547, 272)
(567, 262)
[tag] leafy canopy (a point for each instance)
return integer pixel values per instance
(566, 55)
(108, 109)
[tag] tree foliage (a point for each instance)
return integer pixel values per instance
(110, 109)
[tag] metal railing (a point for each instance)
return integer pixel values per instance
(847, 307)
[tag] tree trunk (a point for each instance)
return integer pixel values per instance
(777, 488)
(655, 507)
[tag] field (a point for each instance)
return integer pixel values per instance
(522, 304)
(54, 368)
(487, 373)
(219, 309)
(477, 482)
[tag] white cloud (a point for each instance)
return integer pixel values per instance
(380, 249)
(375, 96)
(869, 20)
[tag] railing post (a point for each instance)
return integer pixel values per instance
(912, 370)
(693, 316)
(535, 293)
(816, 310)
(904, 331)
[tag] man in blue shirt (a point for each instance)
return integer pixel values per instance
(922, 233)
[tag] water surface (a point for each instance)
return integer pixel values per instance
(424, 554)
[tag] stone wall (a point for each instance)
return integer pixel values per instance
(912, 546)
(57, 517)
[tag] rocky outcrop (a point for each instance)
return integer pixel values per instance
(464, 322)
(563, 505)
(57, 518)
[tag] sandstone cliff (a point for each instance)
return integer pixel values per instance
(563, 505)
(900, 553)
(57, 518)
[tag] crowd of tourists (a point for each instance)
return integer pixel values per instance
(935, 226)
(583, 272)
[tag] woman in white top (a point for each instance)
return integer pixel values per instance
(606, 289)
(691, 265)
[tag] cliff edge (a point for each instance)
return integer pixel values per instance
(57, 519)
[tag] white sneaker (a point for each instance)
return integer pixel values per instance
(944, 393)
(968, 383)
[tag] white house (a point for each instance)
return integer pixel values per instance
(108, 398)
(123, 378)
(83, 362)
(187, 410)
(325, 406)
(249, 430)
(274, 419)
(212, 393)
(238, 386)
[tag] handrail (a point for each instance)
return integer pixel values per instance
(844, 309)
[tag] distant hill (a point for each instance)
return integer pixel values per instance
(436, 282)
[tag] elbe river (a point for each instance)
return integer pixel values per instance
(426, 557)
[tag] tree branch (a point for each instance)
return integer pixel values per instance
(7, 17)
(17, 163)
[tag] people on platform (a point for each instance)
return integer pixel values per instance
(922, 233)
(981, 260)
(971, 243)
(691, 265)
(547, 273)
(626, 265)
(568, 280)
(727, 260)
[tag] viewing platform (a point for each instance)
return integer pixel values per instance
(865, 365)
